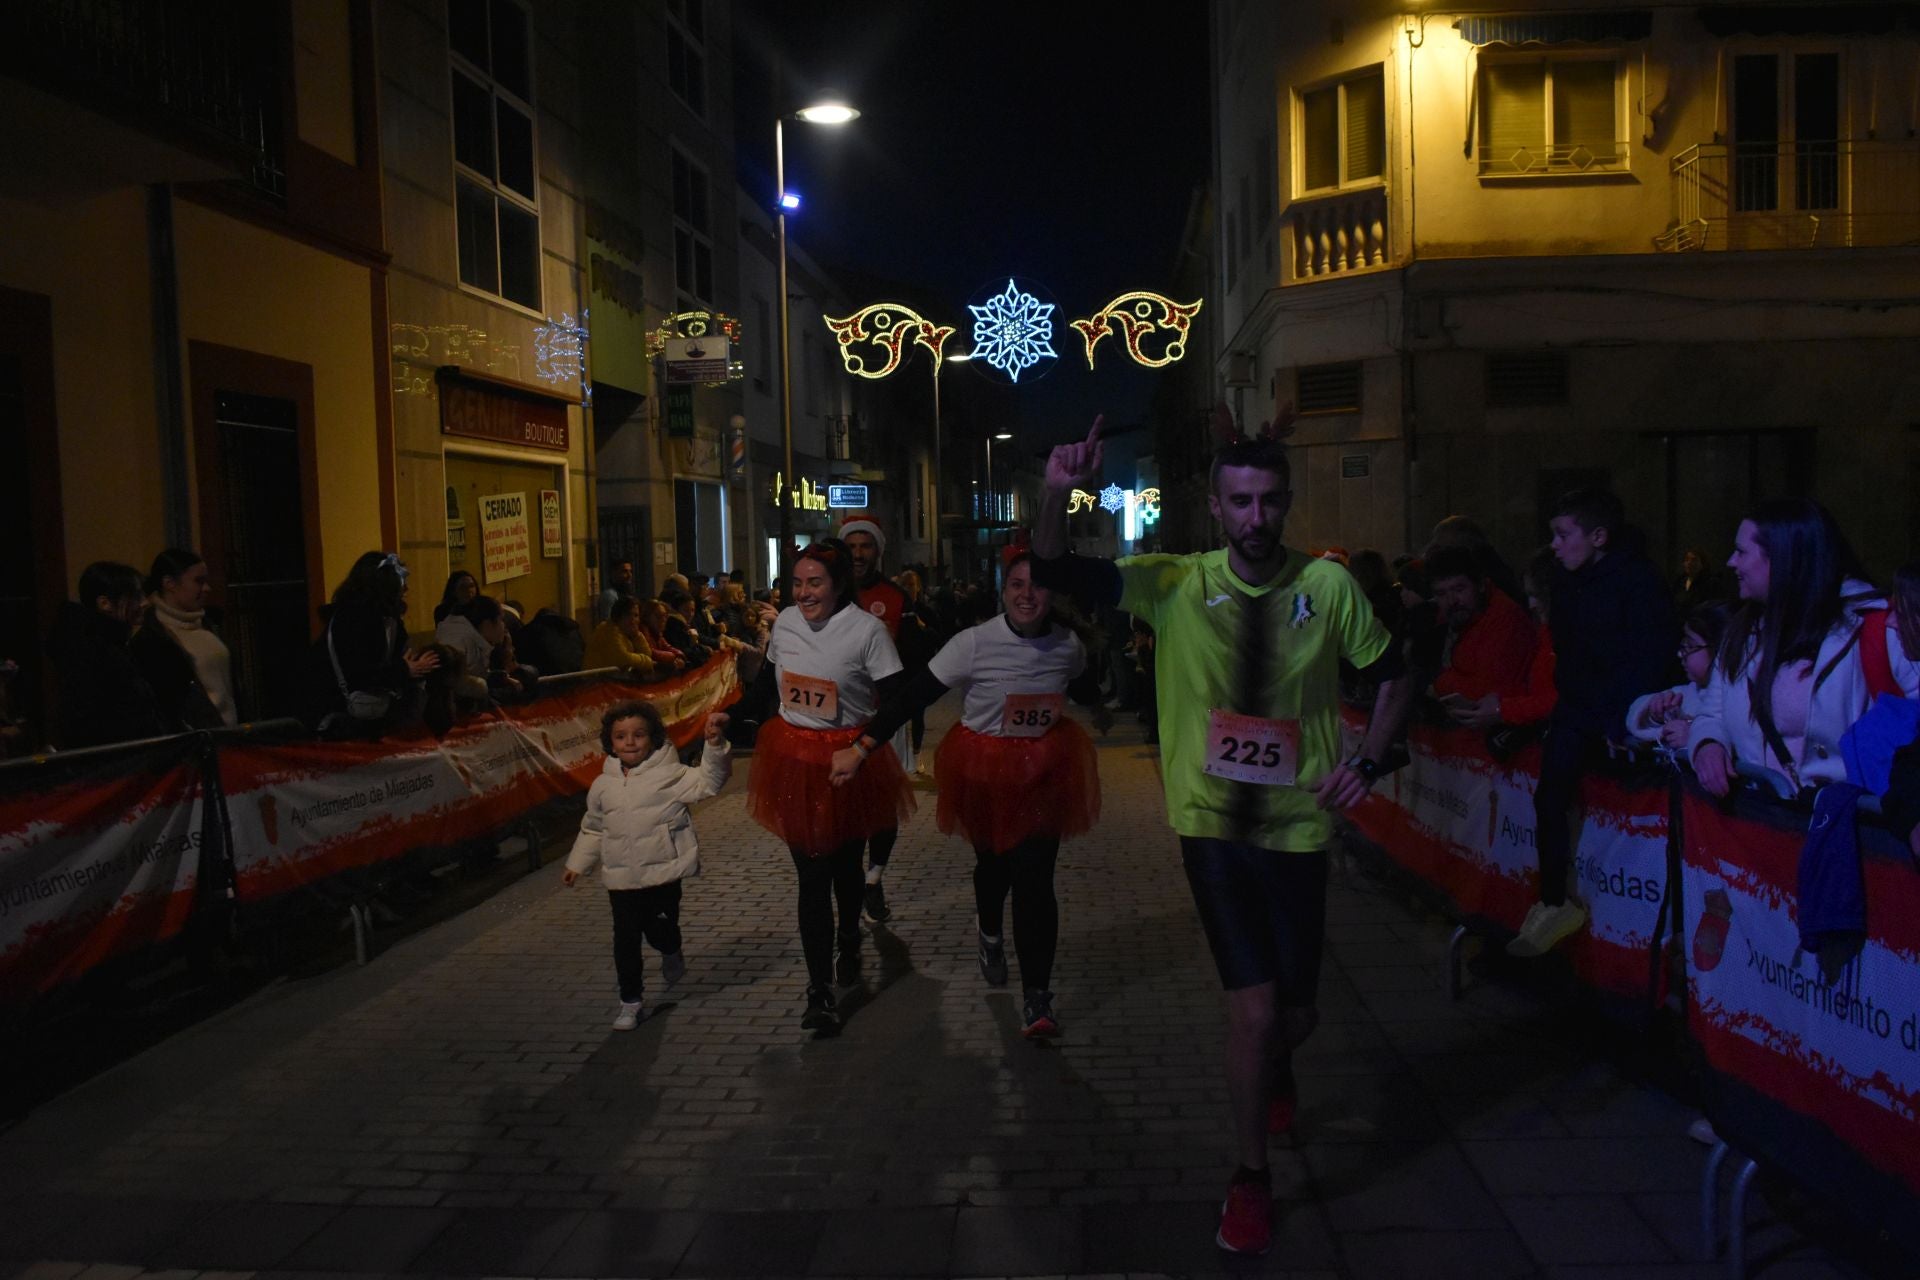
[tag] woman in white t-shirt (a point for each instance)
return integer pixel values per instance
(827, 665)
(1016, 775)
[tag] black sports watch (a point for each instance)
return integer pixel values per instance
(1366, 768)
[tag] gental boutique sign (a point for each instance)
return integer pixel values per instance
(500, 412)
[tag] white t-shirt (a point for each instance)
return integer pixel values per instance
(991, 661)
(851, 649)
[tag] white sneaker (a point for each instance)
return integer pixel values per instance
(629, 1016)
(1547, 929)
(1701, 1131)
(673, 968)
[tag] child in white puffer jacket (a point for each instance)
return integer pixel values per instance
(638, 832)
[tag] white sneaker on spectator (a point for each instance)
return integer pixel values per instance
(673, 968)
(629, 1016)
(1547, 929)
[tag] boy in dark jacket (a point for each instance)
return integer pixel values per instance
(1613, 638)
(102, 695)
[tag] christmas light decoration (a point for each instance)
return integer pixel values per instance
(888, 326)
(1112, 498)
(1080, 500)
(1013, 331)
(691, 324)
(560, 352)
(1136, 315)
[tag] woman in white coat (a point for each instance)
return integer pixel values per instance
(1798, 664)
(638, 832)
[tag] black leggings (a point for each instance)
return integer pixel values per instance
(836, 875)
(919, 726)
(1026, 869)
(880, 846)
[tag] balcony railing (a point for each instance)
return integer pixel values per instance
(202, 70)
(1848, 192)
(1339, 234)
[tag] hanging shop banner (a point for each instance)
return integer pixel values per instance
(99, 856)
(551, 539)
(696, 360)
(303, 811)
(506, 547)
(1842, 1054)
(1462, 822)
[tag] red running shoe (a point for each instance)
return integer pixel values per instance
(1246, 1218)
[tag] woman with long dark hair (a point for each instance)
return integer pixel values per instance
(828, 667)
(461, 587)
(370, 669)
(1016, 775)
(1791, 675)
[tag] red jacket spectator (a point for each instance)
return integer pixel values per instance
(1493, 654)
(1536, 704)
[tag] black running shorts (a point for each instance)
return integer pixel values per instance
(1265, 914)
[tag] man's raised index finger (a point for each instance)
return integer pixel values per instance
(1099, 421)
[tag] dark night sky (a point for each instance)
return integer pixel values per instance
(1055, 141)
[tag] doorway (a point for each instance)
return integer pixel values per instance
(1715, 477)
(33, 573)
(537, 581)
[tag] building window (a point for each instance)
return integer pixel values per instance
(763, 340)
(1526, 379)
(496, 193)
(687, 53)
(1328, 388)
(1786, 131)
(1550, 115)
(692, 234)
(1342, 131)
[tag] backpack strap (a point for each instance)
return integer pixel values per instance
(1876, 662)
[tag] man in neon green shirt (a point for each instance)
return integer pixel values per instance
(1249, 641)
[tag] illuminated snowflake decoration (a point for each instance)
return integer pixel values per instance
(1112, 498)
(1013, 331)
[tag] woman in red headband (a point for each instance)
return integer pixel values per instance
(828, 666)
(1016, 776)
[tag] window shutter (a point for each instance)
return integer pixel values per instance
(1320, 138)
(1366, 127)
(1583, 113)
(1512, 117)
(1328, 388)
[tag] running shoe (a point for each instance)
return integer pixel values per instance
(1037, 1021)
(1547, 928)
(1246, 1218)
(631, 1012)
(673, 968)
(874, 906)
(993, 961)
(820, 1014)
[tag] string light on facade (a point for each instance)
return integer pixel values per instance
(691, 324)
(560, 352)
(1135, 316)
(1013, 331)
(888, 326)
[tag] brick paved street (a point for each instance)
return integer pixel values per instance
(461, 1107)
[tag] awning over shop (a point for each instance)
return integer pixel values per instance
(1811, 19)
(1557, 28)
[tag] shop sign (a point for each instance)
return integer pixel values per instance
(808, 497)
(484, 413)
(694, 360)
(846, 495)
(680, 412)
(550, 539)
(506, 547)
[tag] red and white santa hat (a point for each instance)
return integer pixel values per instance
(862, 524)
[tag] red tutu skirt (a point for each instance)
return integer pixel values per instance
(789, 793)
(998, 792)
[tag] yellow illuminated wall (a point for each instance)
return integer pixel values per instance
(244, 287)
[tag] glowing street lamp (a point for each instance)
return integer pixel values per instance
(831, 114)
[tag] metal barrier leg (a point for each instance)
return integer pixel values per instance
(1456, 945)
(1710, 1202)
(362, 931)
(1737, 1221)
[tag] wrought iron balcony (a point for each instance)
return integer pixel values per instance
(203, 74)
(1843, 193)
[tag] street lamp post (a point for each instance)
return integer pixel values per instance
(993, 503)
(823, 113)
